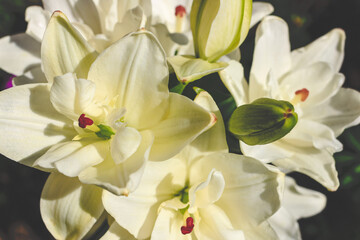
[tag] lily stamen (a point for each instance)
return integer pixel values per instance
(188, 228)
(180, 13)
(300, 96)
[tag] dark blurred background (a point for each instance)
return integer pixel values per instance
(20, 186)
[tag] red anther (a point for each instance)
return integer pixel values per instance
(84, 121)
(189, 226)
(304, 93)
(180, 11)
(287, 115)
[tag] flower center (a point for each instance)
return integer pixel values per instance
(188, 227)
(180, 13)
(102, 131)
(300, 96)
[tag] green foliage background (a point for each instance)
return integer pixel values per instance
(20, 186)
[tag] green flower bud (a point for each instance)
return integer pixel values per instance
(105, 132)
(263, 121)
(219, 26)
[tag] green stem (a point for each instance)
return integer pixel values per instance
(179, 88)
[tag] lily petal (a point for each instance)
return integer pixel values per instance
(328, 48)
(183, 122)
(234, 80)
(37, 19)
(271, 55)
(70, 158)
(64, 50)
(124, 177)
(134, 71)
(29, 124)
(168, 225)
(124, 144)
(19, 53)
(116, 232)
(259, 11)
(68, 208)
(71, 96)
(189, 69)
(246, 179)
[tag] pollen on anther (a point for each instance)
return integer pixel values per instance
(189, 226)
(180, 11)
(303, 93)
(85, 121)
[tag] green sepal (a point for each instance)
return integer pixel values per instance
(105, 132)
(263, 121)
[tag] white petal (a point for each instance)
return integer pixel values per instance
(214, 224)
(245, 180)
(124, 144)
(234, 80)
(71, 96)
(271, 55)
(77, 11)
(317, 78)
(212, 140)
(68, 208)
(124, 177)
(116, 232)
(259, 11)
(168, 225)
(202, 194)
(29, 124)
(138, 212)
(308, 133)
(134, 70)
(64, 50)
(339, 112)
(328, 48)
(189, 69)
(317, 164)
(184, 121)
(285, 225)
(302, 202)
(33, 75)
(70, 158)
(19, 53)
(37, 19)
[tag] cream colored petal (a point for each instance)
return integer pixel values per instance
(64, 50)
(189, 69)
(82, 11)
(285, 225)
(214, 224)
(259, 11)
(138, 212)
(234, 80)
(339, 112)
(163, 34)
(317, 164)
(183, 122)
(29, 124)
(71, 96)
(37, 19)
(124, 144)
(212, 140)
(202, 194)
(116, 232)
(70, 158)
(134, 71)
(271, 55)
(308, 133)
(245, 180)
(168, 225)
(19, 53)
(33, 75)
(68, 208)
(328, 48)
(124, 177)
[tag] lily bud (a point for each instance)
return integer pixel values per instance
(219, 26)
(263, 121)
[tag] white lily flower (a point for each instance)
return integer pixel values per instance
(298, 202)
(100, 117)
(309, 78)
(204, 192)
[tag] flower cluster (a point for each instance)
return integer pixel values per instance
(91, 105)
